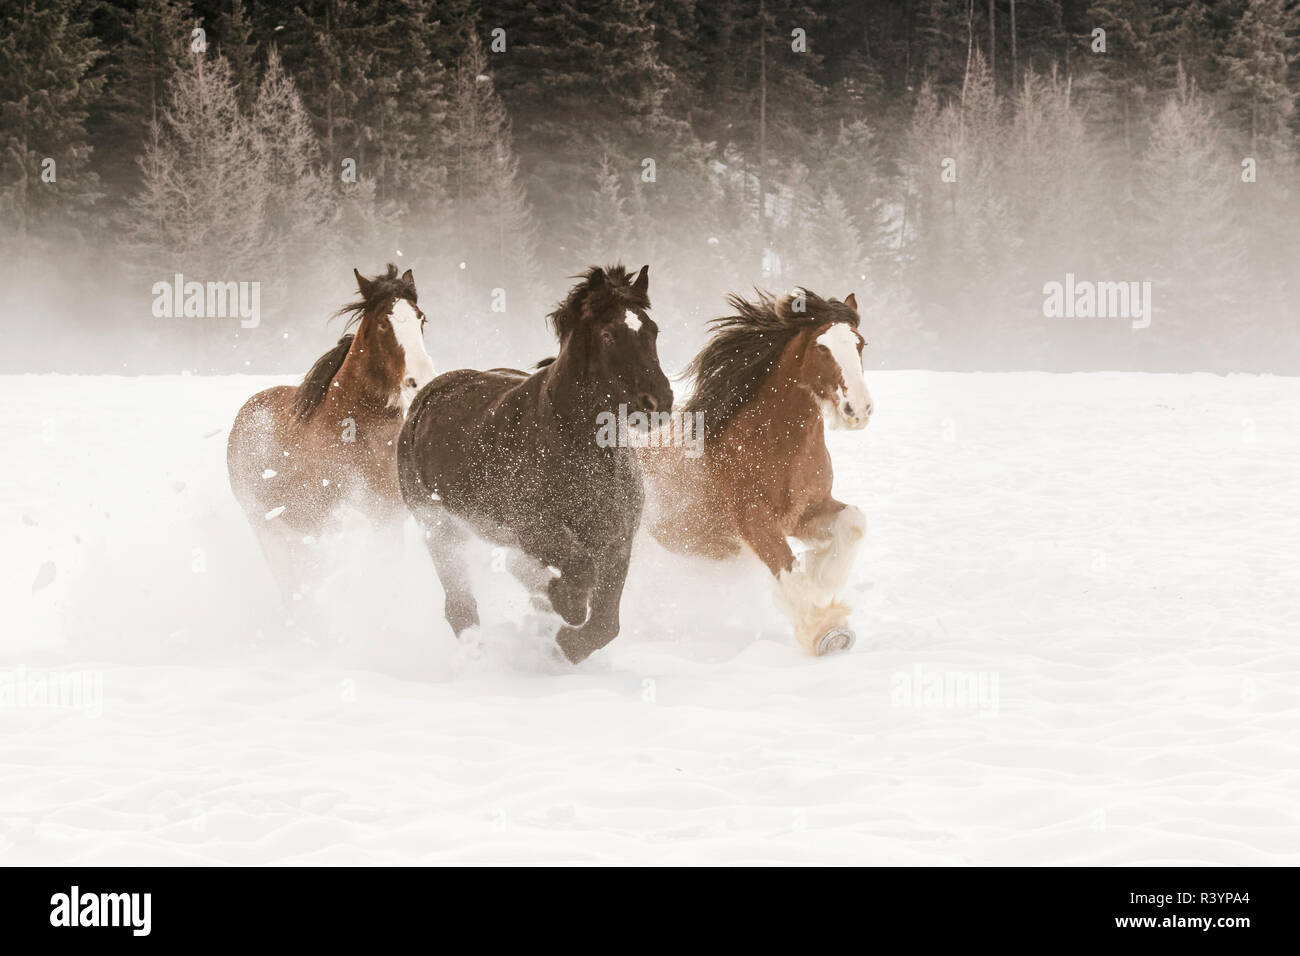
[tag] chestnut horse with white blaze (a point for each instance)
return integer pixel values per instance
(770, 380)
(298, 453)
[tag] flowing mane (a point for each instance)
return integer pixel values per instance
(745, 348)
(382, 288)
(601, 292)
(316, 385)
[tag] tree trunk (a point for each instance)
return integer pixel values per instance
(970, 43)
(993, 45)
(1015, 69)
(762, 122)
(329, 96)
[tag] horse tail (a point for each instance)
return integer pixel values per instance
(316, 385)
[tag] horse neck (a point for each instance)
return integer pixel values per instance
(790, 399)
(570, 403)
(361, 375)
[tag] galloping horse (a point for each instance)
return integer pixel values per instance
(767, 380)
(515, 457)
(296, 453)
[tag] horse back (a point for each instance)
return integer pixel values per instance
(455, 428)
(256, 437)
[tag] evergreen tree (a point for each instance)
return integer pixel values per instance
(580, 82)
(1192, 242)
(45, 93)
(839, 255)
(1256, 62)
(607, 233)
(494, 230)
(858, 173)
(1183, 35)
(295, 207)
(944, 32)
(236, 44)
(201, 208)
(156, 42)
(371, 80)
(1120, 80)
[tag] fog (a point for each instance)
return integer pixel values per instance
(963, 183)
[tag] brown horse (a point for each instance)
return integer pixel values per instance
(770, 379)
(296, 454)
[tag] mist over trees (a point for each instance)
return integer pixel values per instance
(944, 159)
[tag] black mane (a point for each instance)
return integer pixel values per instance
(383, 287)
(600, 292)
(316, 385)
(745, 347)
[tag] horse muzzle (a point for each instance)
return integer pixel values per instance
(854, 415)
(654, 399)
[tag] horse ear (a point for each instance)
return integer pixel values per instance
(851, 301)
(642, 282)
(408, 278)
(363, 285)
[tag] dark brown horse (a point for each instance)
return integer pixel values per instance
(515, 458)
(296, 454)
(769, 380)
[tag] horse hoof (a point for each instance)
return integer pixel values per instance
(572, 646)
(569, 602)
(839, 638)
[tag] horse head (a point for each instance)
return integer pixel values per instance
(830, 365)
(390, 335)
(606, 331)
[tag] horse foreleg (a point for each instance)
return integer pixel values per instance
(810, 594)
(800, 595)
(445, 539)
(762, 532)
(602, 624)
(834, 532)
(569, 592)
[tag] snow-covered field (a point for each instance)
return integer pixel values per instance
(1077, 611)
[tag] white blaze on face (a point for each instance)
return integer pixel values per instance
(853, 405)
(632, 321)
(419, 367)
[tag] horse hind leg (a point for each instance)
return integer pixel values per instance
(295, 571)
(445, 539)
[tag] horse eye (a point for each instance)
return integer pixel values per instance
(607, 336)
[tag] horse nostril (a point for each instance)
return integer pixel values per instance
(848, 409)
(650, 402)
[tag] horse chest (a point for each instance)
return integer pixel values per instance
(810, 475)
